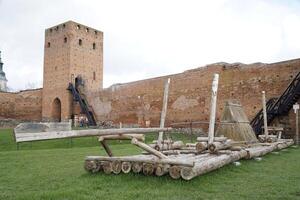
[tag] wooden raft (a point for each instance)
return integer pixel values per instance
(181, 165)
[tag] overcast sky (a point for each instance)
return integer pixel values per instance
(144, 39)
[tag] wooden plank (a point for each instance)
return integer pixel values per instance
(24, 137)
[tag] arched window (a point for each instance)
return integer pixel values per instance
(78, 26)
(87, 30)
(94, 45)
(49, 44)
(94, 76)
(80, 42)
(65, 39)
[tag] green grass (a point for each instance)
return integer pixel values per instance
(53, 170)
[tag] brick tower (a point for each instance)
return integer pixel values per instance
(71, 50)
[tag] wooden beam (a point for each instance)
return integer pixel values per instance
(24, 137)
(148, 148)
(106, 148)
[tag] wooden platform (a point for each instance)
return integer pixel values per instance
(191, 165)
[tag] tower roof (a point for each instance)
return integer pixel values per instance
(2, 73)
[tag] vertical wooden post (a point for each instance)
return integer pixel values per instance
(163, 112)
(265, 114)
(297, 127)
(296, 108)
(213, 105)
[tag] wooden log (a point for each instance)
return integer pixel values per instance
(139, 137)
(213, 105)
(148, 148)
(161, 169)
(144, 159)
(163, 113)
(216, 139)
(284, 144)
(259, 151)
(148, 169)
(209, 163)
(107, 167)
(181, 151)
(174, 172)
(137, 167)
(168, 146)
(216, 146)
(126, 167)
(268, 138)
(116, 166)
(198, 146)
(106, 148)
(92, 166)
(236, 148)
(23, 137)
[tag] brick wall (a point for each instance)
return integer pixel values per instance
(189, 95)
(24, 105)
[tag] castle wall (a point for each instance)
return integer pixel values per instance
(24, 105)
(189, 95)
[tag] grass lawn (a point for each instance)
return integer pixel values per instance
(54, 170)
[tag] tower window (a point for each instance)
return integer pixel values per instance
(57, 28)
(64, 26)
(96, 32)
(87, 30)
(49, 44)
(94, 45)
(50, 30)
(65, 39)
(94, 75)
(80, 42)
(78, 27)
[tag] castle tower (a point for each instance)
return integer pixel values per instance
(3, 80)
(71, 50)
